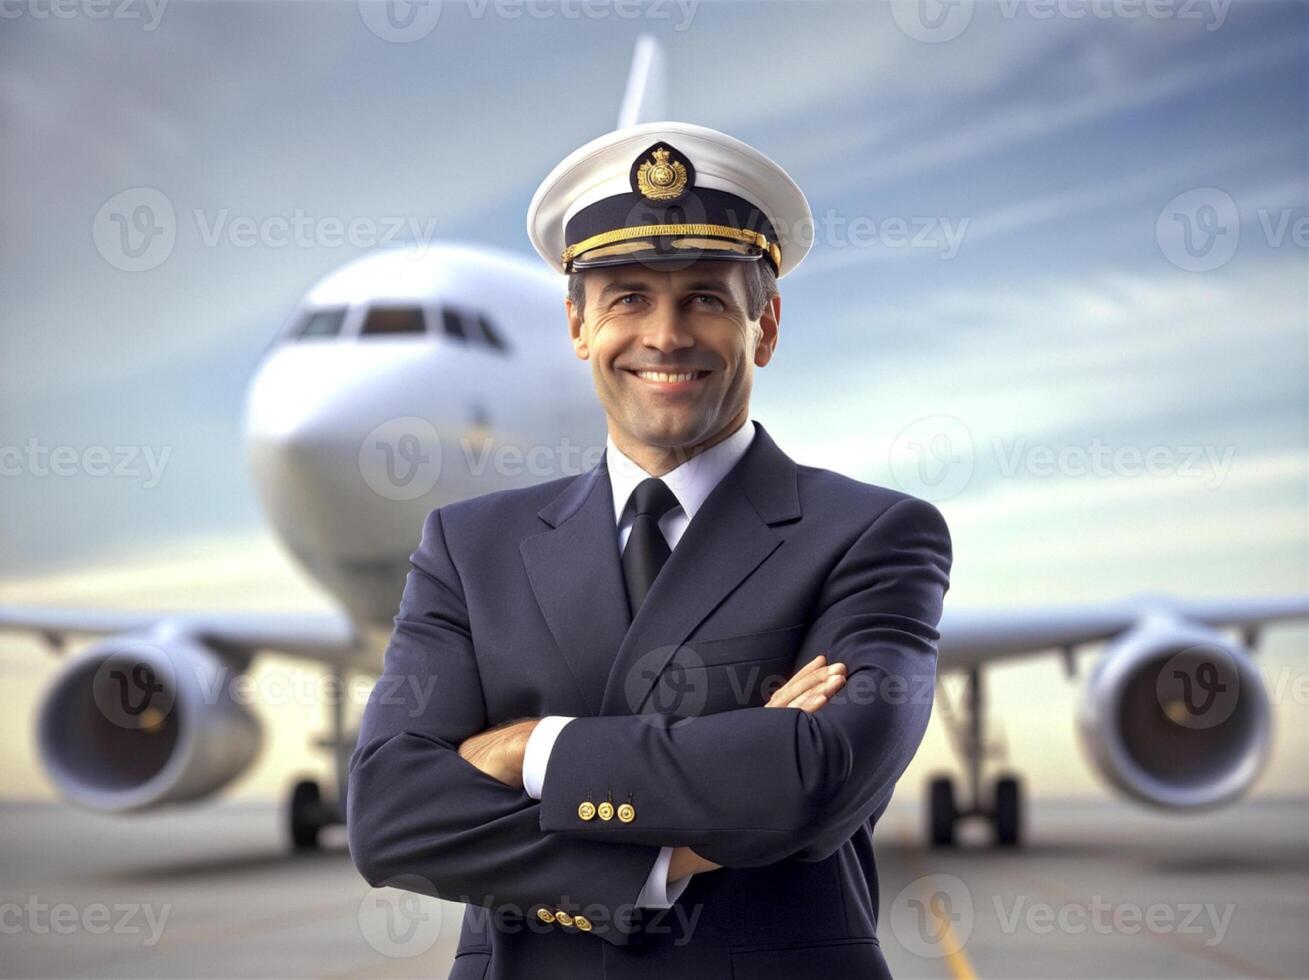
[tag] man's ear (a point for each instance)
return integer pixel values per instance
(576, 329)
(769, 320)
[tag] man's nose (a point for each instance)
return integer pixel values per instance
(666, 328)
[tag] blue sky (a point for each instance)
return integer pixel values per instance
(1047, 146)
(1050, 166)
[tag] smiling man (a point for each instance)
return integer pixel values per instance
(643, 721)
(672, 352)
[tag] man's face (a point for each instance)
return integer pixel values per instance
(692, 319)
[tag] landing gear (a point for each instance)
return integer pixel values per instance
(942, 812)
(1005, 814)
(1005, 809)
(1008, 812)
(307, 812)
(306, 815)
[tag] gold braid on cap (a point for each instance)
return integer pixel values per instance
(652, 231)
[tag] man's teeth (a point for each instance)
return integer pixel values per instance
(667, 378)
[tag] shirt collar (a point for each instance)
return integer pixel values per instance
(691, 482)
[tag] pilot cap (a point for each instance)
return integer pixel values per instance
(668, 193)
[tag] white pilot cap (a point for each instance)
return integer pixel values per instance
(668, 192)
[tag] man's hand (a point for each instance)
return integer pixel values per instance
(811, 686)
(685, 861)
(498, 751)
(808, 690)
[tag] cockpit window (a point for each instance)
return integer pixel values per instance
(471, 328)
(492, 337)
(394, 320)
(452, 322)
(321, 323)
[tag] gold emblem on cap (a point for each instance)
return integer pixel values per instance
(661, 179)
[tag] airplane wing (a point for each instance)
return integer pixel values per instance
(969, 637)
(327, 636)
(974, 637)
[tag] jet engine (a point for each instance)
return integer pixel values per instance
(138, 722)
(1175, 715)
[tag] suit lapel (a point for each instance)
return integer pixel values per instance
(576, 574)
(578, 581)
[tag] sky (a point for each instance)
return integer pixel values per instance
(1059, 282)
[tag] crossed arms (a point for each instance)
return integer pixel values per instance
(500, 752)
(740, 788)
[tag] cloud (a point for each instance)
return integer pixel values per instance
(951, 128)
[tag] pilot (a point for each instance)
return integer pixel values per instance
(643, 720)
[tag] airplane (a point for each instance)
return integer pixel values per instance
(415, 362)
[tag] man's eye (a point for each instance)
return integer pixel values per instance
(712, 301)
(622, 300)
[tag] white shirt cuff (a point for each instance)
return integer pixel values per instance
(659, 892)
(537, 754)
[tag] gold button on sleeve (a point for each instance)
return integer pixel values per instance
(563, 918)
(627, 813)
(545, 915)
(605, 810)
(582, 922)
(586, 810)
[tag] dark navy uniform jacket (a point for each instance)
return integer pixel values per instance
(514, 607)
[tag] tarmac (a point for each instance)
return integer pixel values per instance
(1101, 889)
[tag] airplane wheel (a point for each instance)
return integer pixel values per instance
(942, 812)
(1008, 814)
(305, 816)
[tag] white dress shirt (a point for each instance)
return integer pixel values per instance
(691, 483)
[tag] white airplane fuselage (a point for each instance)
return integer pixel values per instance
(355, 433)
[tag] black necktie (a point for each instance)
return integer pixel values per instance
(647, 549)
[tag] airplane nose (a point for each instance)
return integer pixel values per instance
(299, 398)
(309, 401)
(331, 458)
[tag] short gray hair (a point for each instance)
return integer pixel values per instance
(760, 287)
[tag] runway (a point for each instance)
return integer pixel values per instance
(1102, 890)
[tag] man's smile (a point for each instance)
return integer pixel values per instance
(669, 381)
